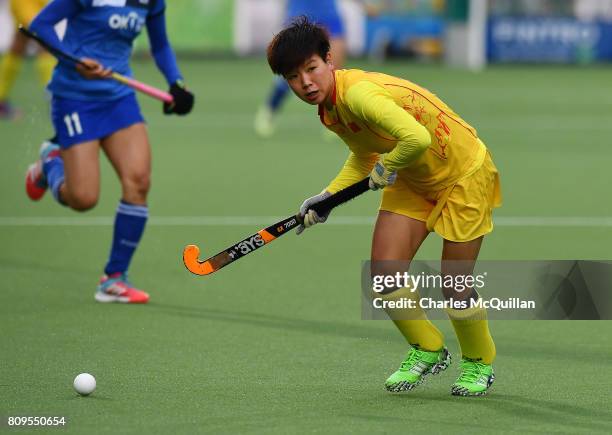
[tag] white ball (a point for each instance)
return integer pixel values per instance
(84, 384)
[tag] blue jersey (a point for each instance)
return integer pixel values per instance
(324, 12)
(103, 30)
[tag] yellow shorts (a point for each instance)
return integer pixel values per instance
(467, 211)
(24, 11)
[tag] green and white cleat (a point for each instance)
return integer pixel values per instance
(475, 379)
(265, 122)
(417, 364)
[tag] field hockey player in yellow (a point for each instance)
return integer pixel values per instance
(435, 174)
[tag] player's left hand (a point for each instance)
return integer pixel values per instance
(92, 69)
(309, 216)
(381, 177)
(183, 100)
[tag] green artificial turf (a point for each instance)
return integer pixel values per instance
(274, 343)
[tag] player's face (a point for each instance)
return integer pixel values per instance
(313, 81)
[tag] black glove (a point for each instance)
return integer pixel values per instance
(183, 100)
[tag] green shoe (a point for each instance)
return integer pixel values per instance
(264, 122)
(417, 364)
(475, 379)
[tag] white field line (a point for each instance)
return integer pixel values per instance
(262, 221)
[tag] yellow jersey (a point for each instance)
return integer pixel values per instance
(424, 140)
(24, 11)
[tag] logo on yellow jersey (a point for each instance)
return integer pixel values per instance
(415, 104)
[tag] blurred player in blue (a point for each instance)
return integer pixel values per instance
(90, 111)
(324, 13)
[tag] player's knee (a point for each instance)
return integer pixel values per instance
(137, 185)
(83, 201)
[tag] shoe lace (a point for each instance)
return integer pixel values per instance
(125, 279)
(471, 371)
(119, 282)
(414, 356)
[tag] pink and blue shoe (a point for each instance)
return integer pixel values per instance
(36, 183)
(117, 288)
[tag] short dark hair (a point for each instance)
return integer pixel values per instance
(295, 44)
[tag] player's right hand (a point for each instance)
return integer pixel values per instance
(92, 69)
(381, 177)
(310, 216)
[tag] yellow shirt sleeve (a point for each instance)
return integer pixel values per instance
(375, 105)
(356, 168)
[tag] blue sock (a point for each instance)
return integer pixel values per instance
(130, 222)
(278, 95)
(53, 169)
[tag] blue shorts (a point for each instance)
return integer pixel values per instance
(81, 121)
(333, 24)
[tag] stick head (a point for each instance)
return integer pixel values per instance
(193, 264)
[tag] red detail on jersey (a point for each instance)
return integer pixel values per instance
(461, 124)
(442, 133)
(322, 117)
(322, 114)
(354, 127)
(333, 98)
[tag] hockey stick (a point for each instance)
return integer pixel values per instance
(135, 84)
(265, 236)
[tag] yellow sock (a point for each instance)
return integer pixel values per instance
(413, 322)
(44, 66)
(472, 329)
(9, 68)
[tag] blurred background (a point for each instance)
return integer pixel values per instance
(274, 343)
(458, 32)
